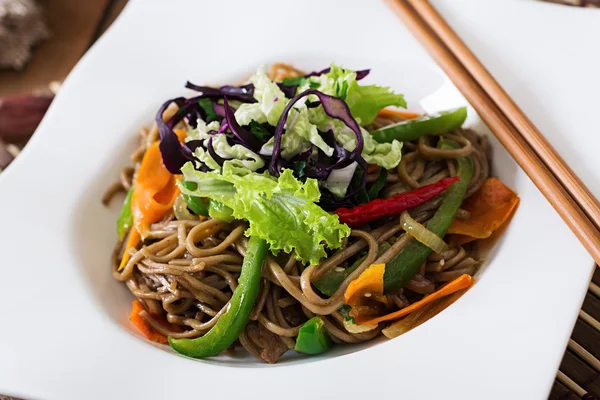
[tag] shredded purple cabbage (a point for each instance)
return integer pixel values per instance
(174, 155)
(245, 137)
(359, 74)
(211, 150)
(219, 109)
(322, 167)
(243, 93)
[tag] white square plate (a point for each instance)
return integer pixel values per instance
(64, 332)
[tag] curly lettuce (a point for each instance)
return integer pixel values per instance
(282, 211)
(364, 101)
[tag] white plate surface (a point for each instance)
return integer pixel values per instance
(64, 332)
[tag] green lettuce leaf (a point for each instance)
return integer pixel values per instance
(238, 156)
(364, 101)
(281, 211)
(270, 101)
(299, 135)
(386, 155)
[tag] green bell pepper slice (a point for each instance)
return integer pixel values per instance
(376, 187)
(407, 263)
(218, 210)
(312, 337)
(125, 221)
(434, 124)
(231, 324)
(198, 205)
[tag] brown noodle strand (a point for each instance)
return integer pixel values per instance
(187, 270)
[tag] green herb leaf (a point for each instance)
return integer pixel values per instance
(296, 81)
(345, 311)
(259, 130)
(378, 184)
(207, 106)
(299, 167)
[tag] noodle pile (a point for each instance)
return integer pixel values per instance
(188, 266)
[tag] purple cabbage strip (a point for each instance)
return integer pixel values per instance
(359, 74)
(288, 91)
(335, 108)
(174, 155)
(242, 93)
(247, 138)
(211, 150)
(219, 109)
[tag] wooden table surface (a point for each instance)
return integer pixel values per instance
(75, 26)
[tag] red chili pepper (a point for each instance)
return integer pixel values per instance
(378, 208)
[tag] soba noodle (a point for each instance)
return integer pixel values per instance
(187, 277)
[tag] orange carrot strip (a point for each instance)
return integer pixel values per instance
(154, 193)
(132, 241)
(462, 282)
(421, 315)
(389, 112)
(369, 282)
(143, 326)
(489, 208)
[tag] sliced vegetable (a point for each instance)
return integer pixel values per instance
(364, 102)
(375, 209)
(369, 283)
(208, 107)
(248, 139)
(312, 337)
(488, 209)
(334, 108)
(462, 282)
(242, 93)
(421, 315)
(422, 234)
(413, 129)
(376, 187)
(407, 263)
(143, 326)
(282, 211)
(125, 221)
(220, 211)
(352, 327)
(332, 280)
(181, 210)
(260, 130)
(234, 320)
(174, 154)
(198, 205)
(389, 112)
(154, 192)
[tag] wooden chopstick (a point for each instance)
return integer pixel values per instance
(516, 116)
(561, 200)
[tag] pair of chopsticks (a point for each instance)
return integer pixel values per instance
(525, 143)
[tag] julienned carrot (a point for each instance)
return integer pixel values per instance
(143, 326)
(388, 112)
(154, 192)
(369, 282)
(462, 282)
